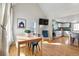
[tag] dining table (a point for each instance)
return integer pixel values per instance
(21, 39)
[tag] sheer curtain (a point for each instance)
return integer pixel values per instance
(9, 26)
(7, 37)
(3, 22)
(0, 28)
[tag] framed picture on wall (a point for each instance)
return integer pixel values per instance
(21, 23)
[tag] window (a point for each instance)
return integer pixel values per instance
(32, 25)
(76, 26)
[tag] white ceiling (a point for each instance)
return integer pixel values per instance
(58, 10)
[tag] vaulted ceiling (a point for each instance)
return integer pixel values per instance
(58, 10)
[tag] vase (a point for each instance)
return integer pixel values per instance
(27, 34)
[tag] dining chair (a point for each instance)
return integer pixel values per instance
(35, 44)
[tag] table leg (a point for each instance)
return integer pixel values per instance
(41, 47)
(18, 49)
(78, 42)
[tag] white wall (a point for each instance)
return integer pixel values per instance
(29, 12)
(33, 12)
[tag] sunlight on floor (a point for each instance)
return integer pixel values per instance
(45, 42)
(56, 43)
(22, 54)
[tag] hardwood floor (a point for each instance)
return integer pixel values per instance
(0, 53)
(56, 47)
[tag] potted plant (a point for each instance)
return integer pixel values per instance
(27, 32)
